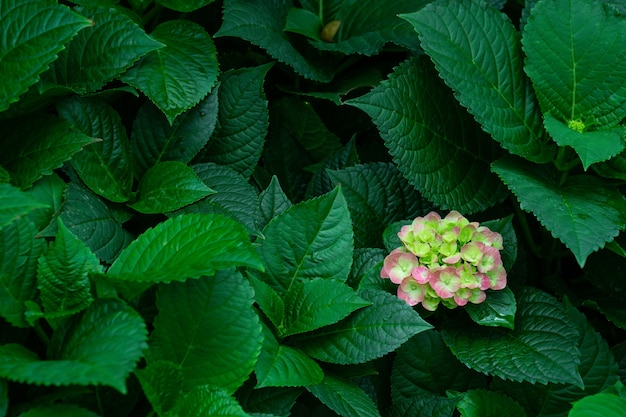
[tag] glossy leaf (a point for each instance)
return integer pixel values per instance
(48, 191)
(59, 410)
(425, 406)
(497, 310)
(162, 383)
(209, 401)
(599, 405)
(482, 403)
(16, 204)
(184, 5)
(344, 398)
(272, 202)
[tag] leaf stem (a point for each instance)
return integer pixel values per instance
(321, 10)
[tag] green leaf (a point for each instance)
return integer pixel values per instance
(313, 304)
(48, 191)
(367, 334)
(104, 166)
(583, 212)
(209, 401)
(482, 403)
(93, 222)
(34, 145)
(488, 81)
(168, 186)
(599, 405)
(187, 246)
(100, 53)
(497, 310)
(154, 140)
(62, 274)
(344, 398)
(59, 410)
(436, 145)
(268, 301)
(272, 202)
(179, 75)
(261, 22)
(284, 366)
(575, 62)
(208, 328)
(367, 25)
(184, 5)
(304, 22)
(161, 382)
(234, 196)
(27, 53)
(541, 349)
(591, 146)
(321, 183)
(426, 406)
(273, 401)
(19, 251)
(424, 366)
(16, 204)
(377, 194)
(101, 347)
(242, 120)
(363, 261)
(312, 239)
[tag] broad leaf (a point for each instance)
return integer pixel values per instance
(313, 304)
(583, 212)
(599, 405)
(208, 328)
(268, 301)
(310, 240)
(321, 183)
(497, 310)
(48, 191)
(209, 401)
(179, 75)
(154, 140)
(27, 53)
(62, 274)
(434, 142)
(477, 52)
(541, 349)
(344, 398)
(184, 5)
(284, 366)
(168, 186)
(101, 347)
(367, 25)
(162, 383)
(59, 410)
(19, 251)
(16, 204)
(377, 194)
(187, 246)
(304, 22)
(591, 146)
(482, 403)
(367, 334)
(100, 53)
(276, 401)
(424, 406)
(242, 120)
(105, 166)
(34, 145)
(272, 202)
(575, 60)
(261, 22)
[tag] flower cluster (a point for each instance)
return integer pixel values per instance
(449, 261)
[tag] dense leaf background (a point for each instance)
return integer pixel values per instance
(196, 198)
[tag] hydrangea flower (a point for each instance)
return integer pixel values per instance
(449, 261)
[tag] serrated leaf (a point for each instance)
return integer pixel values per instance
(312, 239)
(436, 145)
(62, 274)
(426, 406)
(161, 382)
(284, 366)
(168, 186)
(583, 212)
(575, 62)
(184, 5)
(15, 204)
(48, 191)
(313, 304)
(482, 403)
(363, 260)
(154, 140)
(367, 334)
(273, 401)
(208, 328)
(488, 81)
(93, 222)
(27, 53)
(541, 349)
(104, 166)
(209, 401)
(340, 159)
(187, 246)
(100, 53)
(599, 405)
(591, 146)
(179, 75)
(424, 366)
(261, 22)
(234, 196)
(377, 194)
(59, 410)
(367, 25)
(268, 301)
(497, 310)
(19, 251)
(344, 398)
(101, 347)
(272, 202)
(242, 120)
(34, 145)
